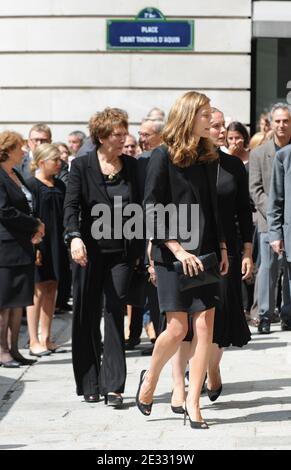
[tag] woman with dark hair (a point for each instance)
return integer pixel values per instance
(183, 171)
(100, 264)
(237, 141)
(19, 231)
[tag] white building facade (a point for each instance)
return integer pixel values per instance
(55, 66)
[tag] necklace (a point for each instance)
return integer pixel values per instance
(112, 176)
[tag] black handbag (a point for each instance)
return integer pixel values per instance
(136, 293)
(210, 275)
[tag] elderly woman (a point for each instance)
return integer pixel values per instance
(102, 265)
(19, 231)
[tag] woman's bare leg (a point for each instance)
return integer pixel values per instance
(213, 371)
(33, 316)
(199, 359)
(179, 364)
(5, 355)
(46, 314)
(13, 331)
(127, 327)
(166, 345)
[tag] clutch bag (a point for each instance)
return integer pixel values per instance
(210, 275)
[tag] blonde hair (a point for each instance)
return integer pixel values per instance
(42, 153)
(257, 139)
(178, 132)
(9, 141)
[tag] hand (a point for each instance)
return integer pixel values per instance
(224, 264)
(153, 276)
(237, 147)
(37, 237)
(191, 264)
(278, 246)
(41, 227)
(247, 267)
(79, 252)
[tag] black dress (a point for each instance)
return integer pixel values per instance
(198, 299)
(49, 203)
(230, 326)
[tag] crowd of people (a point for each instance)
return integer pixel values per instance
(51, 247)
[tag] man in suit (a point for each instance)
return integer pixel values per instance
(39, 134)
(260, 170)
(75, 142)
(279, 219)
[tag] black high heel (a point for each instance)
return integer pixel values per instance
(179, 410)
(214, 394)
(144, 408)
(113, 400)
(195, 424)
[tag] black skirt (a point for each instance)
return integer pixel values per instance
(230, 326)
(171, 299)
(17, 286)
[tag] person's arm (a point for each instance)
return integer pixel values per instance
(14, 219)
(256, 187)
(275, 213)
(156, 193)
(73, 236)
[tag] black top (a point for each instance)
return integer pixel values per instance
(86, 188)
(167, 183)
(116, 187)
(234, 201)
(16, 224)
(199, 177)
(48, 207)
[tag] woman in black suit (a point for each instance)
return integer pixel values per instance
(102, 265)
(230, 326)
(18, 232)
(182, 172)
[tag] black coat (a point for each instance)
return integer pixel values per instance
(86, 187)
(167, 183)
(16, 225)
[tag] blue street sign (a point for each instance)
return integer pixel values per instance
(150, 31)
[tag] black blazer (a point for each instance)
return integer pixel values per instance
(86, 187)
(16, 225)
(167, 183)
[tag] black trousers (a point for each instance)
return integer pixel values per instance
(136, 323)
(108, 273)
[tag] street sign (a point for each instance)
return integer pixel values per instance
(150, 31)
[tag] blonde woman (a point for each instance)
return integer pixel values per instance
(51, 253)
(182, 172)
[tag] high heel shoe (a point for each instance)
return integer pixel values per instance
(214, 394)
(179, 410)
(10, 364)
(144, 408)
(195, 424)
(113, 400)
